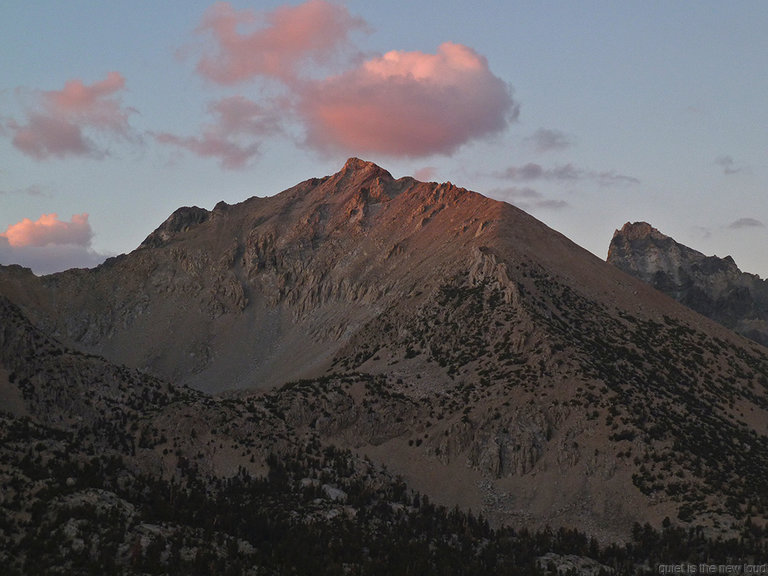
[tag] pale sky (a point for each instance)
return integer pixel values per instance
(586, 114)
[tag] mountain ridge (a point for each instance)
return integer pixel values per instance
(486, 358)
(278, 232)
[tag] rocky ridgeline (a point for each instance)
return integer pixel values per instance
(446, 335)
(308, 267)
(712, 286)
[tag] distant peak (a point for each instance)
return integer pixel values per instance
(639, 231)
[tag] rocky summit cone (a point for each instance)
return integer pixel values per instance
(483, 357)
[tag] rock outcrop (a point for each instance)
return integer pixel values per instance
(712, 286)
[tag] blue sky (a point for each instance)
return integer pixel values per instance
(585, 114)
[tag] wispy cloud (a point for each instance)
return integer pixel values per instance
(611, 177)
(728, 165)
(26, 191)
(234, 135)
(547, 140)
(564, 172)
(527, 198)
(745, 223)
(60, 123)
(704, 232)
(276, 43)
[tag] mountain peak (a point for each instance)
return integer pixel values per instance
(712, 286)
(182, 219)
(360, 178)
(639, 231)
(361, 170)
(354, 164)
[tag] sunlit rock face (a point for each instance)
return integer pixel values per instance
(714, 287)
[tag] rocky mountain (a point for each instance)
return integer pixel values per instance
(257, 294)
(369, 336)
(712, 286)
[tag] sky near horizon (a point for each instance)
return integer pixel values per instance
(586, 114)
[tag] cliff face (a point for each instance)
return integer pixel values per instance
(712, 286)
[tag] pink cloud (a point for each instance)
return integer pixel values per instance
(405, 104)
(47, 230)
(45, 136)
(231, 154)
(282, 40)
(58, 118)
(238, 115)
(234, 135)
(408, 104)
(50, 245)
(91, 104)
